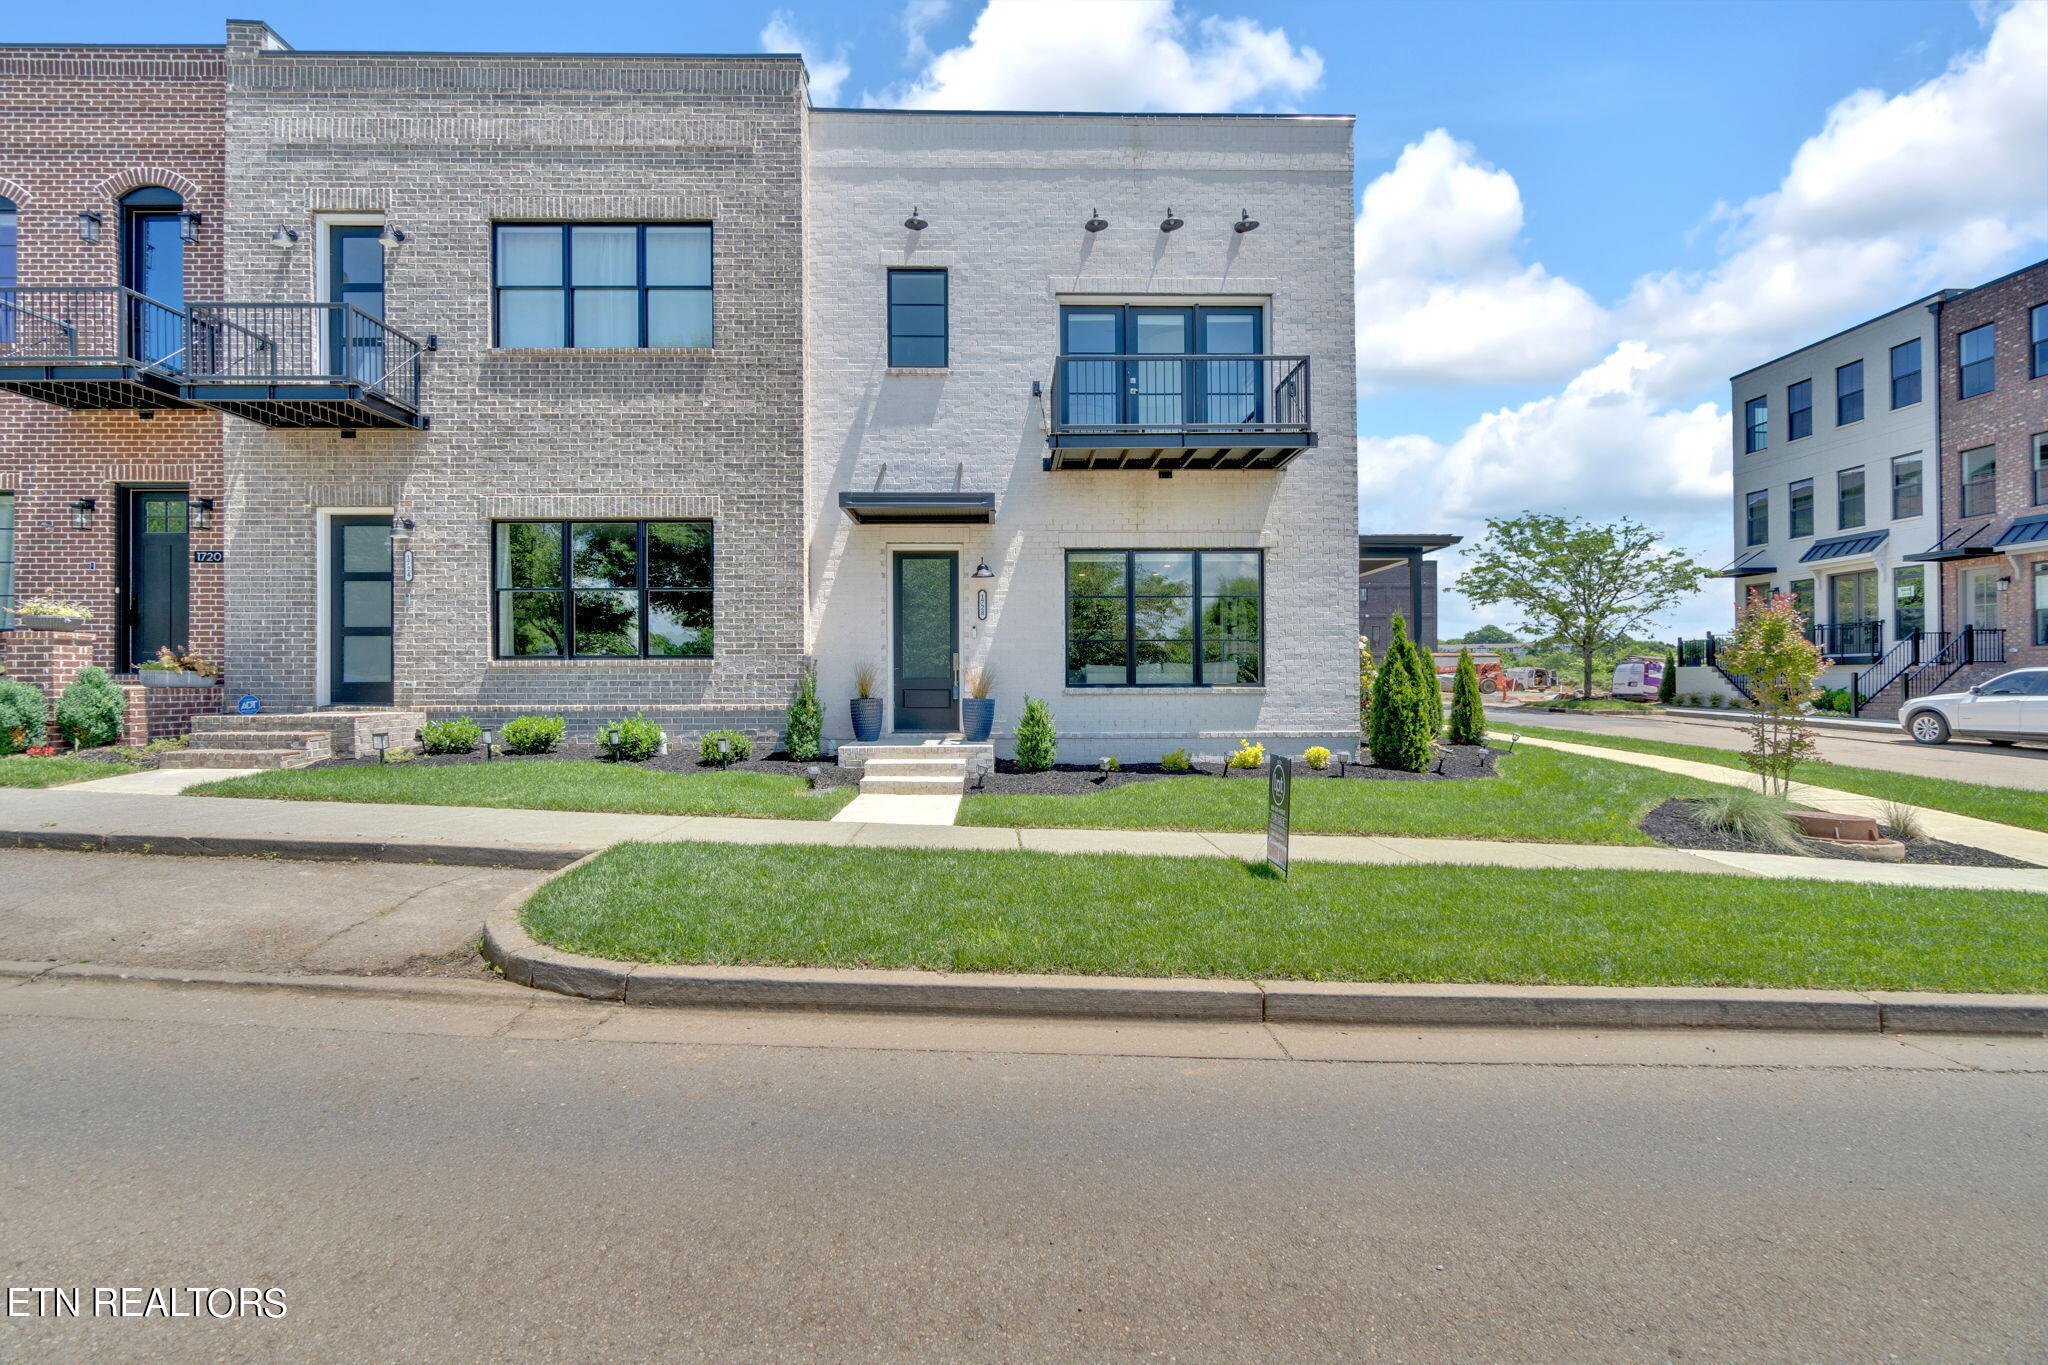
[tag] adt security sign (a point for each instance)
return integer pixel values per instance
(248, 705)
(1279, 811)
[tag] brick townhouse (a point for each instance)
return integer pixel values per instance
(111, 194)
(590, 385)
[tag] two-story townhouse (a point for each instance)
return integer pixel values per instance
(1836, 488)
(111, 215)
(1061, 429)
(1993, 549)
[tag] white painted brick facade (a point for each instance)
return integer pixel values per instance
(1005, 196)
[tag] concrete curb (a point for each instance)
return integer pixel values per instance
(421, 988)
(529, 963)
(313, 850)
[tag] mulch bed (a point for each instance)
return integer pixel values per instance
(1077, 779)
(1669, 825)
(680, 758)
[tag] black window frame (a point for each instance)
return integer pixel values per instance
(1792, 509)
(2040, 611)
(945, 311)
(1908, 573)
(1801, 591)
(568, 289)
(1798, 404)
(1843, 395)
(567, 591)
(1844, 485)
(1130, 594)
(1919, 468)
(1985, 368)
(1986, 486)
(2037, 341)
(1756, 425)
(1757, 508)
(1907, 382)
(2038, 445)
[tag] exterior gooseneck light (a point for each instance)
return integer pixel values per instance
(1245, 222)
(81, 514)
(982, 570)
(1096, 222)
(89, 227)
(284, 239)
(1170, 223)
(390, 234)
(915, 223)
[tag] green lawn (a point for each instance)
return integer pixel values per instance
(1132, 916)
(19, 770)
(568, 784)
(2007, 805)
(1597, 704)
(1539, 795)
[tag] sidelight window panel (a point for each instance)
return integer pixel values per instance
(603, 589)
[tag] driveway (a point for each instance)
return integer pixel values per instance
(241, 914)
(1889, 751)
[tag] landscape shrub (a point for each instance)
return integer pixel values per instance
(1752, 816)
(457, 736)
(532, 734)
(805, 723)
(1316, 756)
(1835, 699)
(1248, 755)
(24, 716)
(1037, 747)
(1175, 762)
(89, 713)
(1112, 764)
(1468, 711)
(739, 747)
(1404, 710)
(1667, 691)
(631, 740)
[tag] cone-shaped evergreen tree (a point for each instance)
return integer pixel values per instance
(1403, 713)
(1667, 690)
(1366, 668)
(1468, 713)
(1428, 692)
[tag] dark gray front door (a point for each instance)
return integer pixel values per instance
(359, 645)
(927, 645)
(159, 573)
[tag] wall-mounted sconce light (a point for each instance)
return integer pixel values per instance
(200, 513)
(89, 227)
(982, 570)
(1170, 223)
(284, 239)
(401, 528)
(188, 228)
(1245, 222)
(915, 223)
(1096, 222)
(2005, 585)
(81, 514)
(390, 234)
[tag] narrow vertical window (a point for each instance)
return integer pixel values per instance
(1799, 410)
(918, 309)
(1756, 425)
(1974, 350)
(1906, 373)
(1980, 481)
(1849, 499)
(1909, 602)
(6, 550)
(1800, 509)
(1849, 393)
(1757, 511)
(2040, 446)
(1802, 598)
(1908, 492)
(8, 275)
(2037, 326)
(2041, 602)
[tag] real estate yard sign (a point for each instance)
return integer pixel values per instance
(1279, 811)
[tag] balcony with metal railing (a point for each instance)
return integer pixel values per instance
(91, 347)
(1175, 412)
(325, 365)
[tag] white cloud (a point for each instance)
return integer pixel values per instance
(1138, 55)
(1442, 297)
(918, 18)
(827, 73)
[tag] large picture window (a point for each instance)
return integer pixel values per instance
(603, 284)
(602, 589)
(1165, 618)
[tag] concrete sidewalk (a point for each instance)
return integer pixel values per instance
(222, 826)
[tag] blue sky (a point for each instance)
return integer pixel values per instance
(1635, 199)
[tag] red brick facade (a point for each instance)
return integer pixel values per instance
(2010, 419)
(79, 127)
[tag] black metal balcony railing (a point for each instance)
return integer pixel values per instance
(91, 346)
(1228, 411)
(1849, 641)
(303, 364)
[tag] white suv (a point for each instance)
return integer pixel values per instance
(2009, 709)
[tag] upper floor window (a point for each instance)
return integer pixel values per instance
(1849, 393)
(1756, 425)
(1980, 481)
(8, 277)
(1758, 518)
(1973, 357)
(1799, 410)
(1165, 618)
(602, 589)
(918, 315)
(1906, 373)
(1800, 509)
(2040, 444)
(2037, 327)
(1849, 499)
(1908, 491)
(603, 284)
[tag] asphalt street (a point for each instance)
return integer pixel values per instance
(507, 1180)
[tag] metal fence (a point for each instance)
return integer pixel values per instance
(303, 343)
(83, 324)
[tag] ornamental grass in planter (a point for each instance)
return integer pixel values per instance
(978, 707)
(866, 706)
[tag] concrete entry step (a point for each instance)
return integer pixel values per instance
(348, 731)
(267, 739)
(977, 758)
(238, 758)
(914, 786)
(916, 767)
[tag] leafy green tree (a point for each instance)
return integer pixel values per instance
(1402, 723)
(1487, 635)
(1468, 710)
(1770, 649)
(90, 710)
(1037, 747)
(1579, 584)
(806, 719)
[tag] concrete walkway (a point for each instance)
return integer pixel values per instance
(161, 781)
(134, 822)
(878, 808)
(2011, 840)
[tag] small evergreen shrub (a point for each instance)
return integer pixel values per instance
(1468, 711)
(805, 723)
(24, 716)
(1248, 755)
(739, 747)
(89, 713)
(1404, 710)
(632, 740)
(1317, 757)
(1667, 690)
(457, 736)
(532, 734)
(1037, 747)
(1175, 762)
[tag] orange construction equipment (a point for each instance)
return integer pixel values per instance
(1493, 677)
